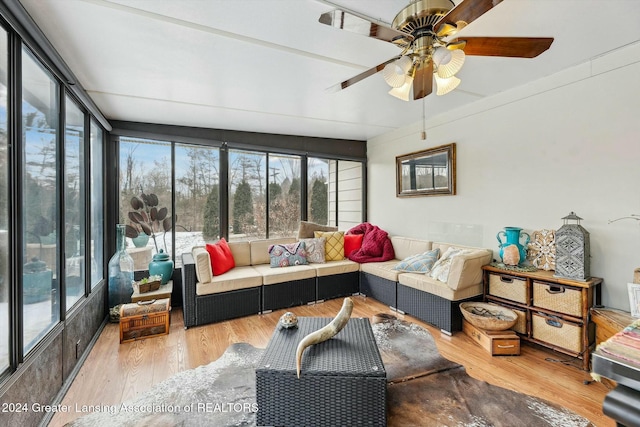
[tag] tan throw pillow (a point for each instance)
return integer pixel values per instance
(306, 229)
(333, 246)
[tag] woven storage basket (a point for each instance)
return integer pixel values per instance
(143, 288)
(558, 298)
(556, 331)
(521, 324)
(508, 287)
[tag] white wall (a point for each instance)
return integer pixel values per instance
(526, 158)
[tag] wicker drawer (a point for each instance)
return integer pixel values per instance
(521, 324)
(556, 331)
(508, 287)
(558, 298)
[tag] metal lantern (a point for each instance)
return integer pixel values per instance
(572, 250)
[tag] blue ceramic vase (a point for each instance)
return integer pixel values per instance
(512, 237)
(162, 265)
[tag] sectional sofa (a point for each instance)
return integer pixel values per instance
(254, 287)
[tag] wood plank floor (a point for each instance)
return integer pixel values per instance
(116, 372)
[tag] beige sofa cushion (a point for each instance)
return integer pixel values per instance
(425, 283)
(306, 229)
(382, 269)
(271, 276)
(234, 279)
(336, 267)
(260, 249)
(406, 246)
(203, 263)
(241, 252)
(466, 268)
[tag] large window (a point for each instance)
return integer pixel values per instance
(40, 209)
(247, 195)
(97, 205)
(284, 195)
(145, 197)
(51, 243)
(197, 188)
(318, 190)
(74, 206)
(4, 206)
(239, 194)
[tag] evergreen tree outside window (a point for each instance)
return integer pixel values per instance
(318, 197)
(247, 181)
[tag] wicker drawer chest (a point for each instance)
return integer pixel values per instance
(342, 381)
(552, 311)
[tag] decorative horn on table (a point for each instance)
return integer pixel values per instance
(325, 332)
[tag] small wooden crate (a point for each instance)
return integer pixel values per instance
(144, 319)
(497, 343)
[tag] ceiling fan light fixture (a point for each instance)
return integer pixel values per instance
(445, 85)
(395, 73)
(403, 91)
(451, 61)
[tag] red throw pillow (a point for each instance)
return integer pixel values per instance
(221, 257)
(352, 243)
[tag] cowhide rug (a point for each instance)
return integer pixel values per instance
(424, 389)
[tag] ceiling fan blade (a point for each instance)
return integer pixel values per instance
(363, 26)
(514, 47)
(467, 12)
(355, 79)
(423, 80)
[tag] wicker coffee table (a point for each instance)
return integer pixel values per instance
(343, 381)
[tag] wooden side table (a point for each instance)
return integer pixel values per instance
(164, 292)
(609, 321)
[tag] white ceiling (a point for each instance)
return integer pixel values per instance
(264, 65)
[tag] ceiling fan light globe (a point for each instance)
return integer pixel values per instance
(393, 75)
(442, 56)
(454, 65)
(403, 91)
(446, 85)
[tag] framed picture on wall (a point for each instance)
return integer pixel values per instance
(429, 172)
(634, 298)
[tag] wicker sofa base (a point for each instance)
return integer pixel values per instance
(288, 294)
(227, 305)
(433, 309)
(376, 287)
(337, 285)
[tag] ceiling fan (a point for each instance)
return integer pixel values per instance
(425, 30)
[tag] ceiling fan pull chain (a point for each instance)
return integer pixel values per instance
(423, 134)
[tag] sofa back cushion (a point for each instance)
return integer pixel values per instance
(466, 267)
(203, 264)
(306, 229)
(404, 247)
(241, 253)
(260, 249)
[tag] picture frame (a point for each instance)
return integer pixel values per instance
(634, 298)
(430, 172)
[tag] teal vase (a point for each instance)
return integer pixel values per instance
(161, 265)
(512, 237)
